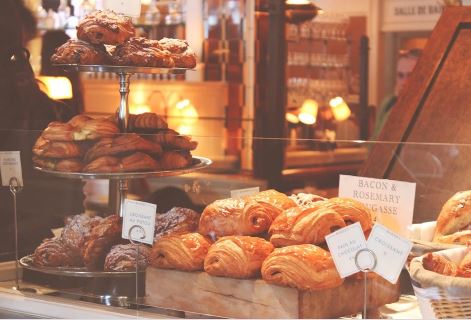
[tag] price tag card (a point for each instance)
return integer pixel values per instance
(10, 167)
(130, 8)
(343, 245)
(391, 201)
(391, 252)
(139, 221)
(240, 193)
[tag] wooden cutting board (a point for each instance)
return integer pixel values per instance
(199, 292)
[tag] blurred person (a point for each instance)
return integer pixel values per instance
(25, 112)
(405, 65)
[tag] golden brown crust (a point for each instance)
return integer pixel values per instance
(80, 52)
(351, 211)
(146, 121)
(176, 220)
(304, 225)
(306, 200)
(102, 237)
(171, 160)
(135, 162)
(272, 197)
(237, 256)
(62, 165)
(105, 27)
(171, 139)
(56, 149)
(180, 251)
(123, 257)
(123, 144)
(54, 253)
(455, 215)
(460, 237)
(439, 264)
(464, 268)
(180, 51)
(77, 231)
(142, 52)
(305, 266)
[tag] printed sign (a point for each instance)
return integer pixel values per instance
(130, 8)
(391, 201)
(410, 14)
(240, 193)
(391, 252)
(10, 167)
(343, 245)
(139, 221)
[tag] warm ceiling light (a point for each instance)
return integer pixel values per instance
(299, 11)
(185, 111)
(340, 109)
(292, 118)
(308, 112)
(298, 2)
(57, 87)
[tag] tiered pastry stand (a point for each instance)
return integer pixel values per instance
(118, 181)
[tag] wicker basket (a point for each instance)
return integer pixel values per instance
(421, 236)
(439, 296)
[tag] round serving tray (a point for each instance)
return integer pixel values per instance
(198, 163)
(120, 69)
(27, 262)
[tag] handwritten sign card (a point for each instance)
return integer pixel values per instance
(10, 167)
(391, 201)
(139, 221)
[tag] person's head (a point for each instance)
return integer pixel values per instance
(17, 24)
(405, 65)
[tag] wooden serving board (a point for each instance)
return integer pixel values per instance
(199, 292)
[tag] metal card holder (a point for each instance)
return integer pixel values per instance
(365, 269)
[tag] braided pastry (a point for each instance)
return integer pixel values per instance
(105, 27)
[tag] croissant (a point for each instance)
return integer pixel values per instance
(274, 198)
(306, 199)
(305, 266)
(460, 237)
(171, 160)
(122, 144)
(54, 253)
(455, 215)
(464, 268)
(180, 51)
(237, 256)
(80, 128)
(62, 165)
(180, 251)
(351, 211)
(304, 225)
(146, 121)
(135, 162)
(127, 257)
(56, 149)
(439, 264)
(170, 139)
(139, 51)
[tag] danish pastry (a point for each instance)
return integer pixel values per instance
(237, 256)
(176, 220)
(105, 27)
(56, 149)
(300, 225)
(305, 267)
(126, 257)
(136, 162)
(80, 52)
(54, 253)
(455, 216)
(180, 251)
(180, 52)
(142, 52)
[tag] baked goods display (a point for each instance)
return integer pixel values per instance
(127, 257)
(237, 256)
(306, 267)
(439, 264)
(185, 251)
(176, 221)
(454, 220)
(117, 32)
(89, 145)
(54, 253)
(248, 216)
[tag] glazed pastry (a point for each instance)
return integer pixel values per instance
(145, 122)
(249, 216)
(171, 160)
(102, 237)
(136, 162)
(305, 267)
(300, 225)
(237, 257)
(455, 215)
(352, 211)
(54, 253)
(77, 231)
(142, 52)
(80, 128)
(439, 264)
(123, 144)
(180, 251)
(105, 27)
(180, 51)
(176, 220)
(56, 149)
(170, 139)
(306, 199)
(80, 52)
(460, 237)
(122, 257)
(62, 165)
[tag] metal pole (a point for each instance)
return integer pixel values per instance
(15, 188)
(123, 114)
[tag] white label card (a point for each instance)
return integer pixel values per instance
(139, 221)
(240, 193)
(130, 8)
(10, 167)
(391, 201)
(343, 245)
(391, 252)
